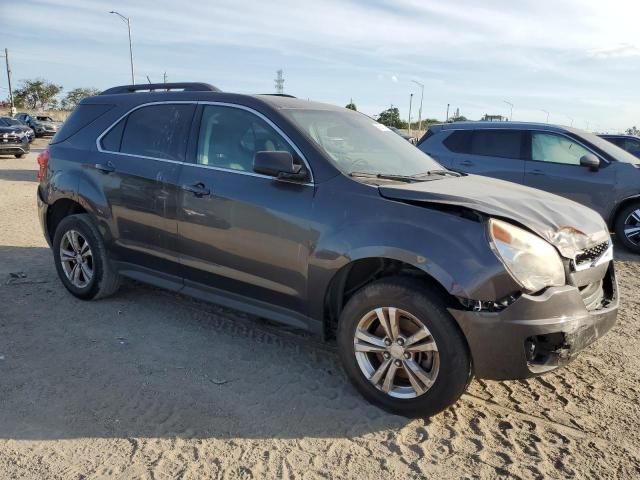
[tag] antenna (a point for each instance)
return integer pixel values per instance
(279, 82)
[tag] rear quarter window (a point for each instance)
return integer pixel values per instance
(83, 115)
(459, 141)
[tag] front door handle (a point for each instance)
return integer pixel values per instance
(467, 163)
(199, 189)
(536, 172)
(105, 167)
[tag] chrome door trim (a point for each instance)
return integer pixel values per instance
(221, 104)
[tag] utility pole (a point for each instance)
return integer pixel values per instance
(410, 102)
(279, 82)
(421, 97)
(6, 57)
(547, 114)
(447, 119)
(127, 20)
(164, 77)
(511, 115)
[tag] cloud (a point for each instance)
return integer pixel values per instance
(625, 50)
(394, 78)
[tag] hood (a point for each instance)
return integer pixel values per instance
(541, 212)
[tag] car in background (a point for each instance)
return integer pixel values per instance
(12, 122)
(409, 138)
(561, 160)
(630, 143)
(42, 125)
(13, 141)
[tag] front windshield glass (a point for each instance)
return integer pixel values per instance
(359, 144)
(11, 121)
(605, 145)
(45, 119)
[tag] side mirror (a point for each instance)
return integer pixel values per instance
(590, 161)
(277, 164)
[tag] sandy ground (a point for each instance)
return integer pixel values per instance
(148, 384)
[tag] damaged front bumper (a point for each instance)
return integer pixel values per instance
(538, 333)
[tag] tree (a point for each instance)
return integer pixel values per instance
(36, 93)
(391, 118)
(73, 97)
(459, 118)
(633, 131)
(351, 106)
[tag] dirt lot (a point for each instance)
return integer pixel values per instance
(148, 384)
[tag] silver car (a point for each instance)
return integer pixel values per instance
(561, 160)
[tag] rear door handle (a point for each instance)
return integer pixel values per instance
(536, 172)
(467, 163)
(105, 167)
(199, 189)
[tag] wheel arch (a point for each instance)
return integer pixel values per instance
(619, 207)
(359, 272)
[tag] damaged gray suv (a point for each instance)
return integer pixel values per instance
(321, 218)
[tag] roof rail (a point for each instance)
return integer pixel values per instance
(152, 87)
(279, 95)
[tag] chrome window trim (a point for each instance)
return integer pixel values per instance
(220, 104)
(530, 130)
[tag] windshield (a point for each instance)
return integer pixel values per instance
(45, 119)
(357, 143)
(605, 145)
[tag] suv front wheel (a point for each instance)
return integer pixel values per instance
(81, 259)
(402, 349)
(627, 227)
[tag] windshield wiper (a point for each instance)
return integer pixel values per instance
(437, 172)
(385, 176)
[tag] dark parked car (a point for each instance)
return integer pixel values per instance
(42, 125)
(629, 143)
(561, 160)
(12, 122)
(409, 138)
(13, 141)
(313, 216)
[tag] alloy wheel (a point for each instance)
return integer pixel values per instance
(76, 259)
(632, 227)
(396, 352)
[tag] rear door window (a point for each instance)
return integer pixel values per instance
(498, 143)
(155, 131)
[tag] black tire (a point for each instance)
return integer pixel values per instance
(455, 370)
(19, 155)
(105, 280)
(621, 219)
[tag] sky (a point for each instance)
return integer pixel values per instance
(579, 60)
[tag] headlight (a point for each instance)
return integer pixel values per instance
(531, 261)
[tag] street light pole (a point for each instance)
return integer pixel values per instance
(421, 97)
(410, 102)
(127, 20)
(570, 119)
(511, 114)
(447, 120)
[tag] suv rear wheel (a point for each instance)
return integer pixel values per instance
(81, 259)
(628, 227)
(402, 349)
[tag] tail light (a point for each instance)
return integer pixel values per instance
(43, 161)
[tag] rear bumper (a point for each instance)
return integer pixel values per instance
(42, 216)
(536, 334)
